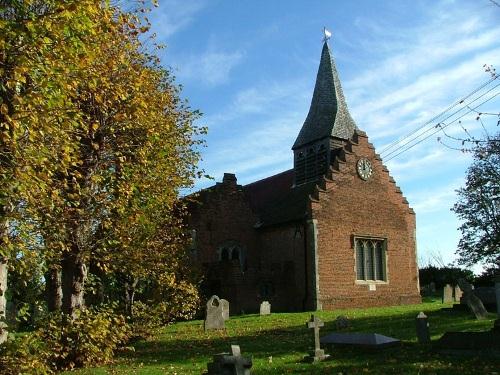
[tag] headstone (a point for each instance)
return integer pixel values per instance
(342, 322)
(474, 303)
(458, 293)
(364, 340)
(422, 324)
(485, 343)
(265, 308)
(316, 323)
(230, 364)
(447, 294)
(487, 296)
(225, 308)
(497, 295)
(214, 318)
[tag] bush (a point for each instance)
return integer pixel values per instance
(62, 343)
(441, 276)
(26, 354)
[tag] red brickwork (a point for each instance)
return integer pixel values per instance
(348, 206)
(278, 262)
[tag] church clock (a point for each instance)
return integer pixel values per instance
(364, 168)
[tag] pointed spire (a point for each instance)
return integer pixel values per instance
(328, 114)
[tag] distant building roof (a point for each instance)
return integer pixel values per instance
(328, 114)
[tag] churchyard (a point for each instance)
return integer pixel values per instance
(279, 342)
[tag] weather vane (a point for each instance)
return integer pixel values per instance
(327, 34)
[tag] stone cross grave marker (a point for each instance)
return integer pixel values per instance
(447, 294)
(472, 301)
(230, 364)
(316, 323)
(214, 318)
(422, 323)
(265, 308)
(225, 309)
(458, 293)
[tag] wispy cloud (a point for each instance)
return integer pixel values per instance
(175, 15)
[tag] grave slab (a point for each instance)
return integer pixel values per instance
(366, 340)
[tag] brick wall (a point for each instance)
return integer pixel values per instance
(347, 206)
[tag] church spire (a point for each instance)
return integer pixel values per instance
(328, 115)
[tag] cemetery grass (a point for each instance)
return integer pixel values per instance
(279, 342)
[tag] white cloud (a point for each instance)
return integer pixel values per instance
(175, 15)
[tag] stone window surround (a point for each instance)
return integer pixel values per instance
(385, 262)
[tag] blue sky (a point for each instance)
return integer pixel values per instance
(250, 68)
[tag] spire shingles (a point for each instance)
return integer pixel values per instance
(328, 114)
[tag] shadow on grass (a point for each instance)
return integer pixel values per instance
(285, 338)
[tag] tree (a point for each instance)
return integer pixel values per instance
(478, 206)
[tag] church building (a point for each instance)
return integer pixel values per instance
(333, 232)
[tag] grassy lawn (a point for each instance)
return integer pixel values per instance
(278, 343)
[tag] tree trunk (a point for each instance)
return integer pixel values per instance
(3, 300)
(130, 285)
(74, 274)
(53, 289)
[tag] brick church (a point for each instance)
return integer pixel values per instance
(333, 232)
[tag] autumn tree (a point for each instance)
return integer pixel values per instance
(40, 50)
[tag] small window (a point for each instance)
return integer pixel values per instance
(370, 259)
(224, 254)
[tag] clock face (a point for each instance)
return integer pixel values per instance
(364, 168)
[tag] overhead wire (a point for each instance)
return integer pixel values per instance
(433, 119)
(408, 139)
(439, 127)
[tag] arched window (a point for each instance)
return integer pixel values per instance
(232, 251)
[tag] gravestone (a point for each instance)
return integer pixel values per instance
(230, 364)
(225, 309)
(342, 322)
(471, 300)
(487, 296)
(458, 293)
(362, 340)
(422, 324)
(497, 295)
(265, 308)
(214, 318)
(447, 294)
(318, 354)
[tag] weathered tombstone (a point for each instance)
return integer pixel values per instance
(458, 293)
(422, 324)
(225, 309)
(214, 318)
(342, 322)
(474, 303)
(265, 308)
(316, 323)
(497, 294)
(447, 294)
(230, 364)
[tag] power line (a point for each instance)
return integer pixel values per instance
(410, 140)
(440, 127)
(480, 87)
